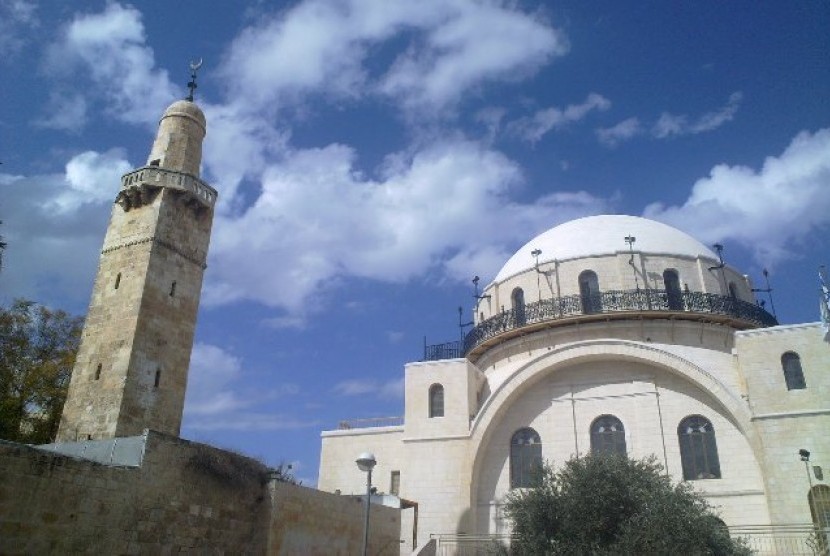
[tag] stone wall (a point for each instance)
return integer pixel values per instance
(183, 497)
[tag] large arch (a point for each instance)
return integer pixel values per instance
(523, 378)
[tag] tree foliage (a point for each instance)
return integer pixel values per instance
(614, 505)
(37, 353)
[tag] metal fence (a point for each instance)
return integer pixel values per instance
(603, 303)
(396, 421)
(762, 540)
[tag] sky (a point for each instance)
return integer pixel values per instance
(372, 156)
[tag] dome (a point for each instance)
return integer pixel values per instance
(186, 109)
(603, 235)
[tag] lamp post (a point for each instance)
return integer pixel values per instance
(366, 462)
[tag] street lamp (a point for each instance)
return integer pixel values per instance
(366, 462)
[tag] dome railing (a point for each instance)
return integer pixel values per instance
(603, 303)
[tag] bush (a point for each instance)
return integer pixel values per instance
(614, 505)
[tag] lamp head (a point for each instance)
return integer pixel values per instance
(366, 461)
(805, 454)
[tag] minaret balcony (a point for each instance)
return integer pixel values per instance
(604, 306)
(155, 177)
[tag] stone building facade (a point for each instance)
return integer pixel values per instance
(131, 369)
(609, 334)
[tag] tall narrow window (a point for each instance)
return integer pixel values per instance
(436, 400)
(589, 291)
(395, 483)
(819, 500)
(674, 296)
(793, 374)
(733, 290)
(98, 372)
(698, 449)
(518, 298)
(117, 280)
(525, 457)
(608, 436)
(173, 289)
(158, 378)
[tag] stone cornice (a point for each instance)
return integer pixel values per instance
(198, 262)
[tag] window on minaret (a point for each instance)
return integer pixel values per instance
(98, 372)
(436, 401)
(793, 374)
(819, 501)
(589, 292)
(608, 436)
(518, 298)
(173, 289)
(525, 457)
(158, 378)
(117, 280)
(698, 448)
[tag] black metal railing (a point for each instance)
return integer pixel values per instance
(607, 302)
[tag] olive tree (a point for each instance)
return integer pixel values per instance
(37, 353)
(614, 505)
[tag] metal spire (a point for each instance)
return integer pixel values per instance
(194, 67)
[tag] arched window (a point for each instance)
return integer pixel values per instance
(589, 290)
(733, 290)
(793, 375)
(819, 500)
(525, 457)
(674, 296)
(436, 400)
(698, 449)
(607, 436)
(518, 298)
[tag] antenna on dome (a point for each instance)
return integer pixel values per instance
(768, 291)
(719, 248)
(630, 241)
(536, 252)
(461, 324)
(476, 295)
(194, 67)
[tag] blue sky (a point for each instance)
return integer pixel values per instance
(372, 156)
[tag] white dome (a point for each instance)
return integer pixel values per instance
(603, 235)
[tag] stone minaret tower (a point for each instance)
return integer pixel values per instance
(131, 369)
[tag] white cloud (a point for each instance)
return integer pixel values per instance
(768, 211)
(471, 43)
(111, 48)
(213, 399)
(91, 177)
(362, 387)
(66, 112)
(532, 129)
(626, 129)
(54, 225)
(17, 20)
(669, 125)
(318, 219)
(321, 46)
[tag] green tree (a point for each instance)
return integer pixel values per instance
(602, 505)
(37, 353)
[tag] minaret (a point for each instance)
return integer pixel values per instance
(131, 369)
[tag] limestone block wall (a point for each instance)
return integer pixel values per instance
(184, 497)
(561, 406)
(314, 523)
(462, 383)
(789, 420)
(340, 449)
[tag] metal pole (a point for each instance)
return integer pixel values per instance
(366, 522)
